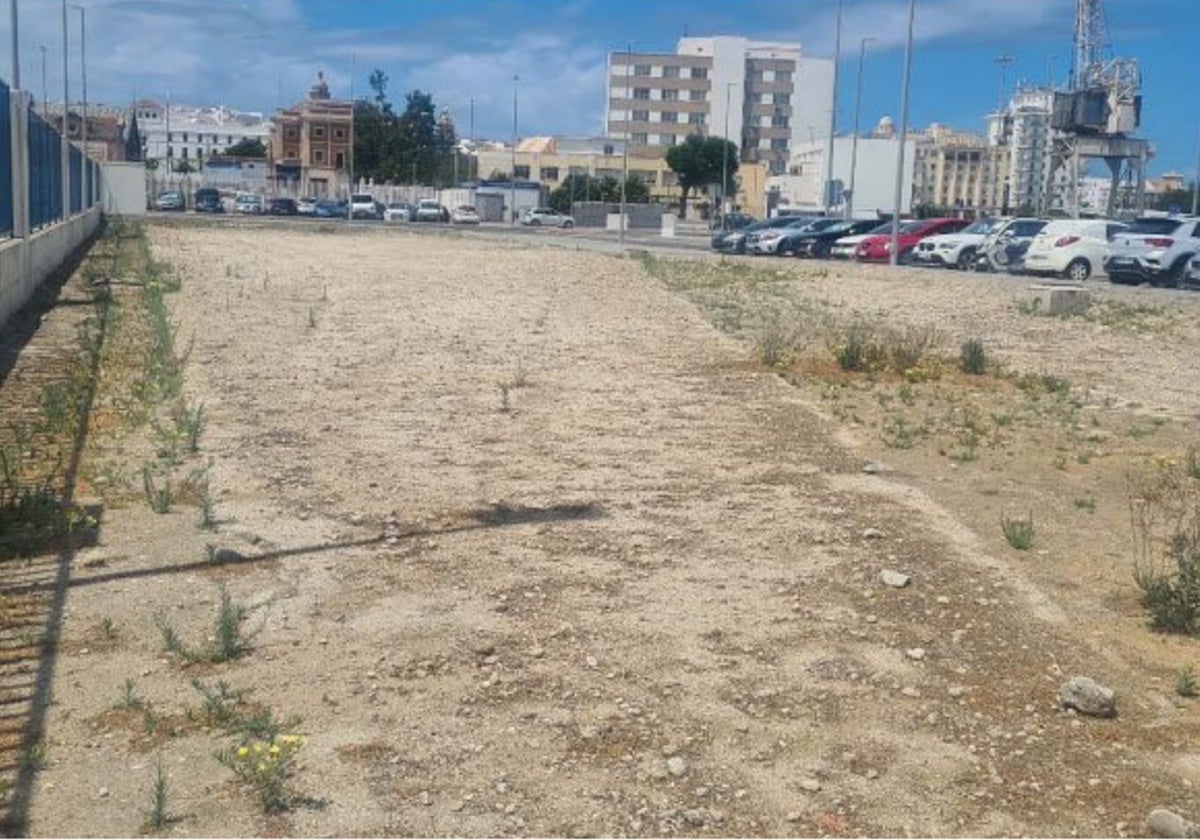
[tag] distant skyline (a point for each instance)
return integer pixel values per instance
(258, 55)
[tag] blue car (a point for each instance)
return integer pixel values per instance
(329, 210)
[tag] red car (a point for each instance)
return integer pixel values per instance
(879, 248)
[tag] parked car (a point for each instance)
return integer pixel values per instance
(734, 221)
(464, 214)
(329, 209)
(956, 250)
(1070, 248)
(818, 243)
(734, 241)
(1004, 249)
(249, 203)
(362, 206)
(170, 200)
(1153, 250)
(208, 200)
(791, 236)
(879, 248)
(429, 210)
(282, 207)
(546, 217)
(399, 212)
(306, 206)
(1192, 277)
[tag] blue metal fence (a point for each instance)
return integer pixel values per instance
(45, 173)
(75, 159)
(6, 168)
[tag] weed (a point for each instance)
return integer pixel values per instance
(35, 756)
(158, 498)
(505, 404)
(897, 434)
(172, 643)
(229, 640)
(208, 521)
(773, 343)
(908, 348)
(1173, 597)
(520, 376)
(1087, 503)
(312, 317)
(1059, 462)
(1018, 532)
(220, 702)
(1191, 463)
(1083, 458)
(263, 726)
(906, 394)
(265, 766)
(159, 815)
(1165, 512)
(129, 695)
(973, 357)
(108, 628)
(1136, 432)
(858, 349)
(190, 423)
(1185, 683)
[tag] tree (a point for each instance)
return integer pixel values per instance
(414, 145)
(586, 188)
(251, 147)
(698, 162)
(133, 140)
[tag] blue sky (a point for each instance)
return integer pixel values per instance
(260, 54)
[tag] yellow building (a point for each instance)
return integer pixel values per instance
(311, 142)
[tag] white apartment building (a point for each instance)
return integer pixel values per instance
(1024, 127)
(193, 134)
(764, 97)
(874, 175)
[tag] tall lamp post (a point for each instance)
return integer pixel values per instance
(44, 99)
(837, 60)
(512, 182)
(725, 157)
(65, 145)
(862, 53)
(899, 194)
(625, 145)
(1196, 183)
(85, 197)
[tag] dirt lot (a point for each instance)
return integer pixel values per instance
(533, 543)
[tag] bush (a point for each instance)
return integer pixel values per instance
(909, 347)
(973, 358)
(1173, 596)
(1018, 532)
(859, 349)
(1165, 510)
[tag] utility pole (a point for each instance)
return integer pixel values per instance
(86, 176)
(725, 156)
(350, 201)
(837, 60)
(862, 53)
(512, 180)
(625, 145)
(44, 100)
(1196, 183)
(1004, 62)
(16, 45)
(66, 144)
(899, 195)
(471, 160)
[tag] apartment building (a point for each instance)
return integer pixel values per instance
(311, 142)
(959, 170)
(764, 97)
(177, 133)
(106, 126)
(1023, 129)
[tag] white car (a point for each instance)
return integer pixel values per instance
(1192, 278)
(428, 210)
(248, 203)
(464, 214)
(398, 212)
(306, 206)
(545, 217)
(1154, 250)
(1071, 248)
(956, 250)
(362, 206)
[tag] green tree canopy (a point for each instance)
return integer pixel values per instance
(415, 145)
(251, 147)
(587, 188)
(698, 162)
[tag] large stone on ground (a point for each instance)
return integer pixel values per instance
(1088, 697)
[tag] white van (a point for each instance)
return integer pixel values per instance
(1071, 248)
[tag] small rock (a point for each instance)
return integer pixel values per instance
(1088, 697)
(537, 652)
(1164, 823)
(103, 794)
(483, 648)
(591, 662)
(956, 691)
(872, 774)
(916, 653)
(694, 817)
(909, 691)
(227, 555)
(794, 816)
(676, 766)
(426, 799)
(810, 785)
(872, 534)
(873, 468)
(895, 579)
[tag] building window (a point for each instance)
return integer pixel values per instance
(670, 116)
(521, 172)
(783, 99)
(339, 160)
(699, 72)
(670, 95)
(666, 139)
(318, 132)
(339, 134)
(318, 155)
(290, 134)
(641, 69)
(638, 139)
(779, 122)
(641, 116)
(696, 95)
(608, 149)
(185, 151)
(549, 173)
(779, 145)
(170, 137)
(783, 76)
(670, 72)
(695, 119)
(641, 93)
(646, 176)
(755, 76)
(229, 140)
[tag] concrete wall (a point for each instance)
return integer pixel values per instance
(123, 188)
(26, 263)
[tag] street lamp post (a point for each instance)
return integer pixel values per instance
(66, 144)
(725, 156)
(899, 194)
(625, 145)
(1196, 183)
(44, 100)
(86, 192)
(862, 53)
(837, 60)
(16, 44)
(512, 180)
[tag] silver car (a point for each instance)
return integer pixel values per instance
(1154, 250)
(545, 217)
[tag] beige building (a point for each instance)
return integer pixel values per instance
(762, 96)
(959, 170)
(311, 142)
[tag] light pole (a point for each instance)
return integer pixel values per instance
(725, 156)
(65, 145)
(899, 196)
(350, 201)
(471, 136)
(625, 145)
(862, 53)
(837, 60)
(1196, 183)
(512, 181)
(43, 49)
(85, 194)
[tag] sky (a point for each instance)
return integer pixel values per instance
(259, 55)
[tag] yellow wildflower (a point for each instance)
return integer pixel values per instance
(243, 752)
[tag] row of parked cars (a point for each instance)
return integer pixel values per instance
(359, 206)
(1159, 250)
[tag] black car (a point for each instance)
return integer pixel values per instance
(734, 241)
(734, 221)
(816, 243)
(282, 207)
(208, 200)
(798, 235)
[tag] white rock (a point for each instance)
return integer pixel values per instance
(872, 534)
(1164, 823)
(676, 765)
(895, 579)
(917, 653)
(810, 785)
